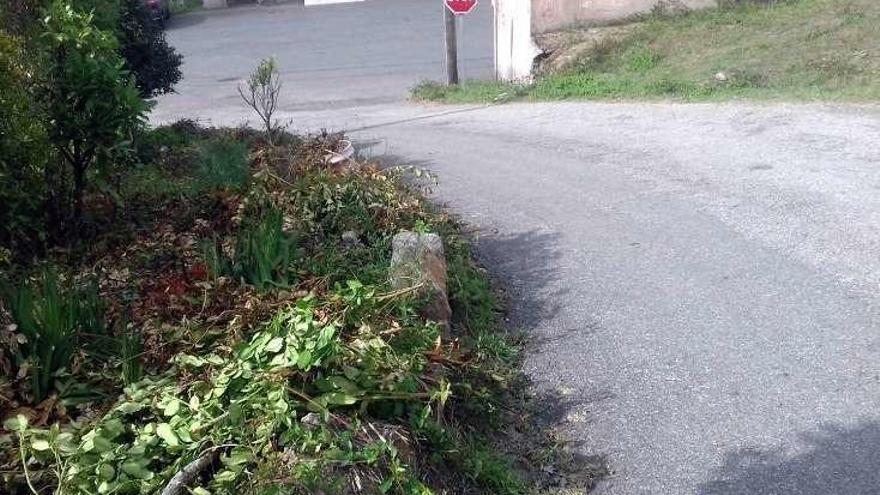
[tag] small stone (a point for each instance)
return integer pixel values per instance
(721, 77)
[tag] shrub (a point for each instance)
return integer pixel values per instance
(105, 13)
(90, 100)
(153, 62)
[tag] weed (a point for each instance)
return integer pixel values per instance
(221, 164)
(264, 254)
(131, 351)
(640, 59)
(469, 91)
(51, 319)
(150, 145)
(186, 169)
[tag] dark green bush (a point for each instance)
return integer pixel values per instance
(153, 62)
(23, 150)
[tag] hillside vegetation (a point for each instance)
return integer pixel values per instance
(789, 50)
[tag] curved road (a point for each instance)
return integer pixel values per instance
(700, 281)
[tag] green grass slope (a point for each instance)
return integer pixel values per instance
(788, 50)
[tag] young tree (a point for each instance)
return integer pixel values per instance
(91, 101)
(262, 93)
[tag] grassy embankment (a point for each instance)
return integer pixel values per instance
(791, 50)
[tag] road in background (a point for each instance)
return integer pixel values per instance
(700, 282)
(330, 56)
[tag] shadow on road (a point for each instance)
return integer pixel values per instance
(838, 460)
(526, 264)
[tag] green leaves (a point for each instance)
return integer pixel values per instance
(171, 407)
(293, 340)
(137, 469)
(275, 344)
(40, 445)
(93, 442)
(337, 399)
(297, 363)
(167, 434)
(90, 102)
(19, 423)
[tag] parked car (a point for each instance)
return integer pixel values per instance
(161, 9)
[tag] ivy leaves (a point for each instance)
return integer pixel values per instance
(243, 403)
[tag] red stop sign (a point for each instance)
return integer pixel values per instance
(461, 7)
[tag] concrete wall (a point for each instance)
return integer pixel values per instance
(551, 15)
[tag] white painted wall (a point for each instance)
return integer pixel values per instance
(515, 50)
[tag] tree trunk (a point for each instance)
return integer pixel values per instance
(79, 186)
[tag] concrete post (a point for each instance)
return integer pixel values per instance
(515, 50)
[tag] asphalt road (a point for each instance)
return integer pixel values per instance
(331, 56)
(700, 281)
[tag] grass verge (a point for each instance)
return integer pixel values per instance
(782, 50)
(183, 6)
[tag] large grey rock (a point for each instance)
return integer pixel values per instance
(419, 260)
